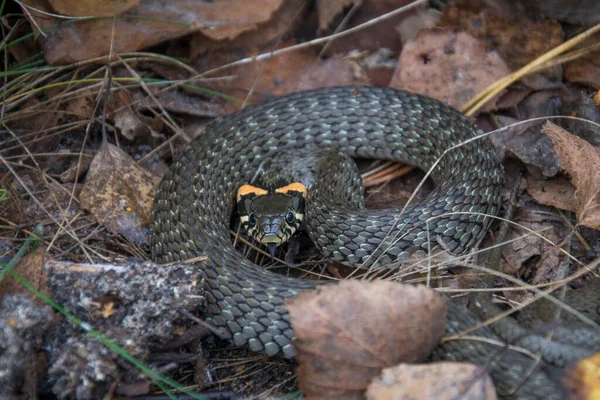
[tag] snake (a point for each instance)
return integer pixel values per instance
(246, 303)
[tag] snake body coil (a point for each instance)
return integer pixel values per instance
(194, 205)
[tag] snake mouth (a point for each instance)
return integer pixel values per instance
(272, 242)
(272, 239)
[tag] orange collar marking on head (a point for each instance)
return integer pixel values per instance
(293, 187)
(245, 190)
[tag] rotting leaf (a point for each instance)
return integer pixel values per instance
(119, 193)
(449, 66)
(556, 192)
(490, 23)
(347, 333)
(580, 160)
(437, 381)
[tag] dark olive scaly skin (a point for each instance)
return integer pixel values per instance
(195, 199)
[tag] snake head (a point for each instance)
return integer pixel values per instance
(272, 217)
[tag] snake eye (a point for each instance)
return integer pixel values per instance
(289, 217)
(252, 219)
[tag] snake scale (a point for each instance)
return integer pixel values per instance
(194, 204)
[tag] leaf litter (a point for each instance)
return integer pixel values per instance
(51, 127)
(347, 333)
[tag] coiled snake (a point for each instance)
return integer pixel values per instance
(195, 199)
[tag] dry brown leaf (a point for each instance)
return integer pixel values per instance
(277, 77)
(581, 161)
(96, 8)
(437, 381)
(347, 333)
(492, 23)
(154, 21)
(525, 142)
(375, 37)
(42, 19)
(328, 73)
(207, 53)
(328, 10)
(298, 72)
(119, 193)
(31, 268)
(557, 192)
(131, 124)
(77, 169)
(532, 255)
(449, 66)
(585, 69)
(421, 18)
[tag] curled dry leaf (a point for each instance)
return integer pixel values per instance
(580, 160)
(77, 168)
(437, 381)
(347, 333)
(119, 193)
